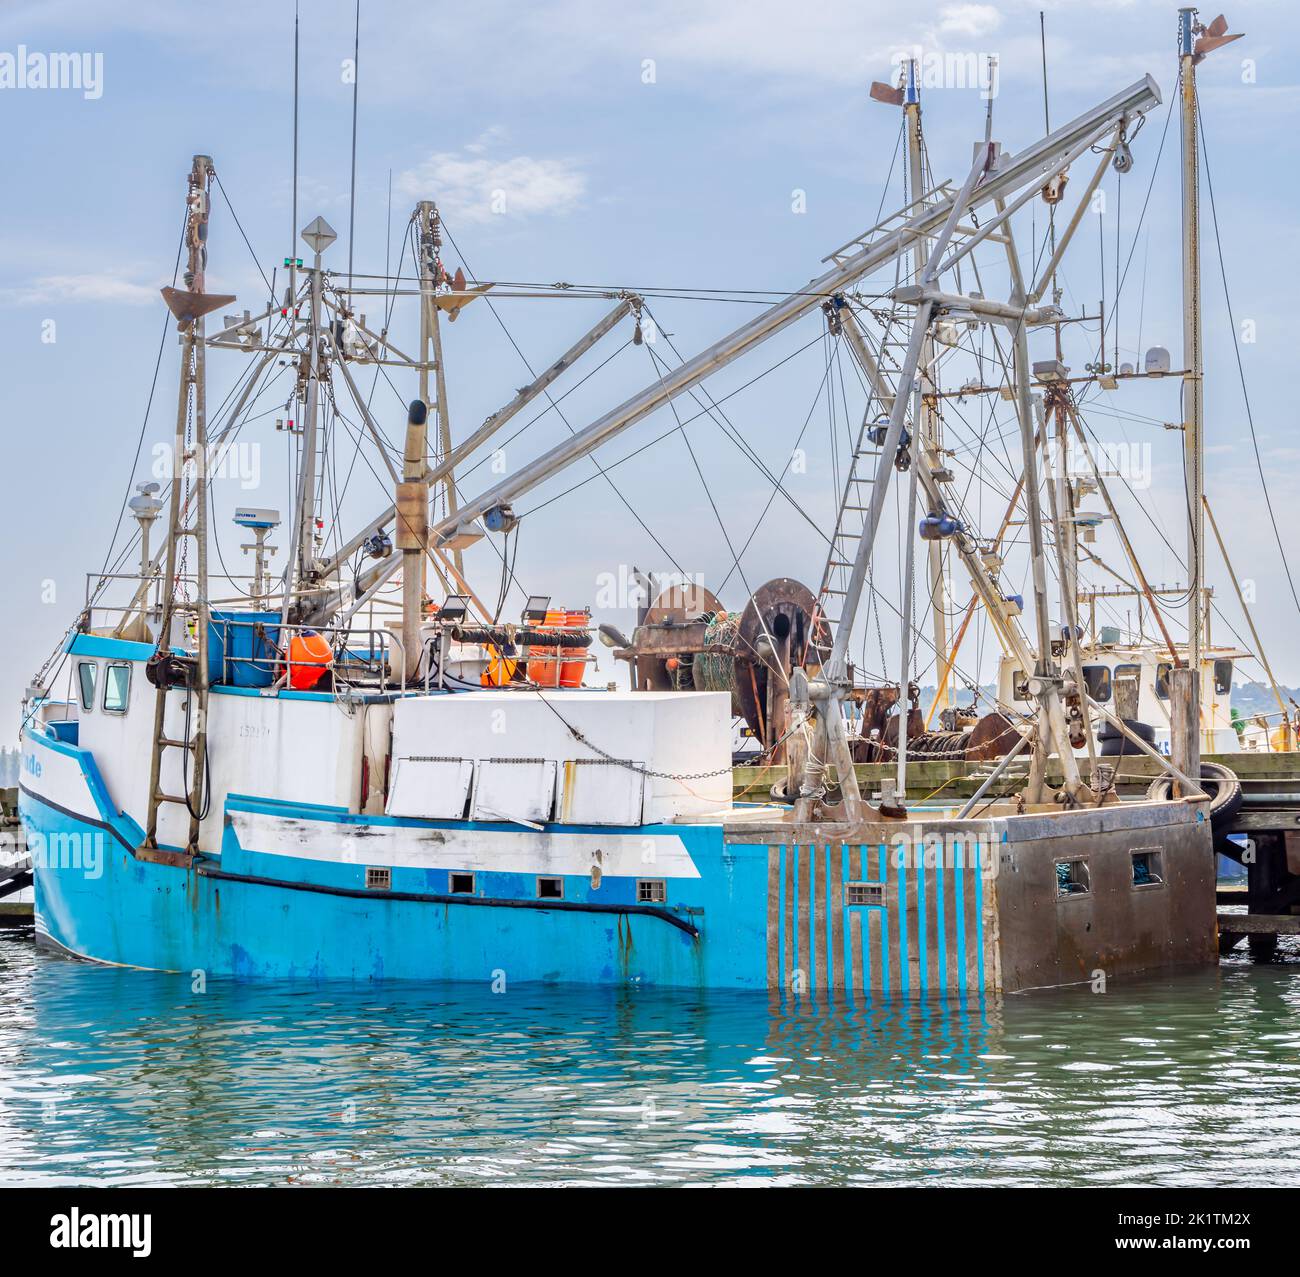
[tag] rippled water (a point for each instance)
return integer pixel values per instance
(122, 1077)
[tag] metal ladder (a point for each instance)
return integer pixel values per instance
(856, 495)
(184, 523)
(188, 518)
(894, 222)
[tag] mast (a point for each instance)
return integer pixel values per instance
(1193, 385)
(187, 518)
(432, 276)
(412, 501)
(928, 453)
(318, 236)
(1195, 41)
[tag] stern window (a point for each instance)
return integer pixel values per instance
(1147, 869)
(864, 893)
(1098, 679)
(1162, 680)
(1222, 678)
(86, 672)
(1071, 878)
(117, 687)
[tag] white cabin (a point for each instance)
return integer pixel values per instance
(1106, 665)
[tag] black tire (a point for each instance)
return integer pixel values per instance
(1219, 782)
(1117, 746)
(1108, 731)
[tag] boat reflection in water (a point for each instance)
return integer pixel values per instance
(127, 1077)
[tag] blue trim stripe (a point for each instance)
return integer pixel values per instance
(904, 975)
(796, 933)
(959, 908)
(781, 938)
(979, 911)
(846, 873)
(831, 906)
(103, 645)
(810, 863)
(941, 938)
(884, 918)
(124, 828)
(922, 953)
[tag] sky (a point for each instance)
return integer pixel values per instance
(669, 146)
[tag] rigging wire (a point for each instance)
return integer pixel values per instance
(117, 527)
(270, 288)
(1241, 370)
(559, 412)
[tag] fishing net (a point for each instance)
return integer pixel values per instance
(714, 669)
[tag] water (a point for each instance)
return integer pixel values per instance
(127, 1078)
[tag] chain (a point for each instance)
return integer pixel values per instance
(925, 757)
(644, 771)
(627, 763)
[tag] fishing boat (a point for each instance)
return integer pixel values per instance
(289, 781)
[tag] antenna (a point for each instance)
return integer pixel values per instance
(352, 189)
(293, 223)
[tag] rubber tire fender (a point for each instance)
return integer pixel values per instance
(1219, 781)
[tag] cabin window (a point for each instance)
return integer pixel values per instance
(1019, 686)
(117, 687)
(1222, 678)
(550, 888)
(460, 884)
(1162, 680)
(86, 672)
(651, 891)
(378, 879)
(1147, 869)
(1072, 878)
(1097, 678)
(864, 893)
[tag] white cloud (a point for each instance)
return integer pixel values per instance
(103, 287)
(968, 19)
(472, 185)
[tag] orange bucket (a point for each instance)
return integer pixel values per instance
(543, 665)
(310, 655)
(571, 671)
(500, 669)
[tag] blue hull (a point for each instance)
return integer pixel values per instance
(253, 915)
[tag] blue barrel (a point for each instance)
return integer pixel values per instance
(250, 638)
